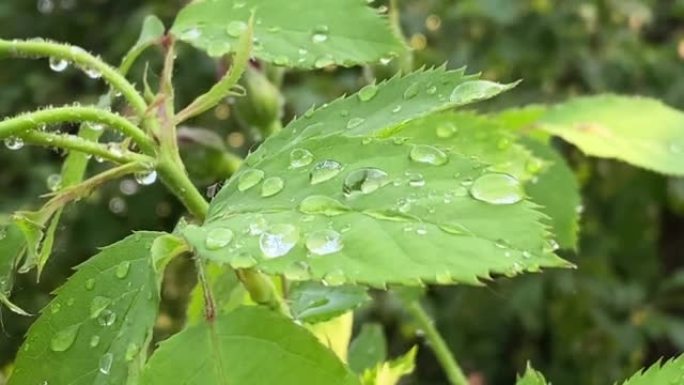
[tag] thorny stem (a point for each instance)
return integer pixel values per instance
(446, 359)
(79, 56)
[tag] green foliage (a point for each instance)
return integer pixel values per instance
(305, 34)
(313, 302)
(389, 373)
(531, 377)
(670, 372)
(214, 353)
(97, 328)
(368, 349)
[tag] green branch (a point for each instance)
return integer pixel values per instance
(28, 121)
(75, 143)
(446, 359)
(79, 56)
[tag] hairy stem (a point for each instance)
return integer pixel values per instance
(28, 121)
(74, 143)
(80, 57)
(453, 371)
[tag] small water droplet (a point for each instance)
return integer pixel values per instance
(324, 61)
(320, 34)
(249, 179)
(272, 186)
(132, 351)
(297, 271)
(14, 143)
(396, 109)
(415, 179)
(364, 181)
(324, 171)
(54, 182)
(431, 90)
(218, 238)
(243, 260)
(355, 122)
(64, 339)
(423, 153)
(278, 240)
(106, 318)
(334, 278)
(55, 307)
(58, 65)
(368, 92)
(94, 341)
(446, 130)
(324, 242)
(92, 73)
(98, 305)
(421, 230)
(146, 178)
(498, 189)
(321, 204)
(106, 363)
(191, 34)
(534, 165)
(300, 157)
(122, 269)
(281, 60)
(236, 28)
(411, 91)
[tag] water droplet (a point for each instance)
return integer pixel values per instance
(321, 204)
(385, 60)
(355, 122)
(243, 260)
(324, 61)
(324, 242)
(218, 238)
(415, 179)
(58, 65)
(364, 181)
(324, 171)
(106, 363)
(249, 179)
(300, 157)
(92, 73)
(55, 308)
(421, 230)
(131, 351)
(106, 318)
(446, 130)
(473, 90)
(431, 90)
(498, 189)
(443, 277)
(281, 60)
(146, 178)
(320, 34)
(63, 339)
(278, 240)
(396, 109)
(423, 153)
(94, 341)
(368, 92)
(236, 28)
(334, 278)
(98, 305)
(297, 271)
(272, 186)
(191, 34)
(54, 182)
(257, 226)
(14, 143)
(411, 91)
(122, 269)
(534, 165)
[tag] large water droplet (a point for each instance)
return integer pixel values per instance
(14, 143)
(446, 130)
(243, 260)
(324, 242)
(106, 318)
(236, 28)
(122, 269)
(98, 305)
(58, 65)
(106, 363)
(146, 178)
(321, 204)
(63, 339)
(364, 181)
(473, 90)
(54, 182)
(498, 189)
(368, 92)
(324, 171)
(320, 34)
(249, 179)
(272, 186)
(218, 238)
(300, 157)
(423, 153)
(278, 240)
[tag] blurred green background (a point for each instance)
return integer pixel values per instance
(622, 309)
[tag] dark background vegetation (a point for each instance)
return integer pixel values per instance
(622, 309)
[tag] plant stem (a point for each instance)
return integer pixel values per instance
(74, 143)
(453, 371)
(82, 58)
(177, 180)
(32, 120)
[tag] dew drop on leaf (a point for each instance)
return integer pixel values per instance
(320, 34)
(243, 260)
(218, 238)
(272, 186)
(297, 271)
(146, 178)
(98, 305)
(278, 240)
(58, 65)
(249, 179)
(415, 179)
(364, 181)
(14, 143)
(324, 242)
(498, 189)
(257, 226)
(55, 308)
(131, 351)
(106, 318)
(334, 278)
(324, 171)
(411, 91)
(94, 341)
(534, 165)
(236, 28)
(122, 269)
(324, 61)
(446, 130)
(300, 157)
(64, 339)
(54, 182)
(368, 92)
(423, 153)
(475, 90)
(106, 363)
(321, 204)
(355, 122)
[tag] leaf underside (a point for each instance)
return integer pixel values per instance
(313, 302)
(97, 328)
(301, 34)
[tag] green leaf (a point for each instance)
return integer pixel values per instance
(12, 247)
(313, 302)
(229, 294)
(304, 34)
(364, 204)
(152, 31)
(335, 334)
(670, 372)
(557, 190)
(389, 373)
(97, 328)
(250, 346)
(368, 349)
(531, 377)
(640, 131)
